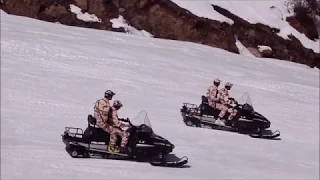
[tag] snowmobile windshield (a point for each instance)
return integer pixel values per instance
(245, 99)
(142, 118)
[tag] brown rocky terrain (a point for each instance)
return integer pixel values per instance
(164, 19)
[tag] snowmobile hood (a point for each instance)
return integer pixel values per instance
(144, 128)
(158, 140)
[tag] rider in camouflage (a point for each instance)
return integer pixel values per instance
(116, 130)
(102, 108)
(212, 93)
(225, 103)
(107, 119)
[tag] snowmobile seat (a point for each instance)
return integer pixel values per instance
(204, 100)
(91, 120)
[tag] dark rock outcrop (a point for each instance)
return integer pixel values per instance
(303, 23)
(267, 53)
(164, 19)
(59, 11)
(252, 35)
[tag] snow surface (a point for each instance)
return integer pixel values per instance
(84, 16)
(257, 11)
(242, 49)
(262, 48)
(52, 74)
(202, 9)
(121, 22)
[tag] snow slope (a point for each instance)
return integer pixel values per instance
(52, 74)
(258, 11)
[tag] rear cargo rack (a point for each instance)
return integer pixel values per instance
(73, 132)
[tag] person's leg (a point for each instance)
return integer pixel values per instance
(125, 137)
(114, 132)
(233, 113)
(223, 110)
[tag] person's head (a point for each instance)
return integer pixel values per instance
(117, 104)
(216, 82)
(109, 94)
(228, 85)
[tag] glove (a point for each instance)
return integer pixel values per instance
(125, 120)
(229, 105)
(123, 125)
(232, 101)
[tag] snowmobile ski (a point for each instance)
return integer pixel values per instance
(264, 136)
(163, 163)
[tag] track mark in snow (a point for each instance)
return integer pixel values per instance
(23, 153)
(50, 81)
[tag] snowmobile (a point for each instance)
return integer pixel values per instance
(247, 121)
(145, 145)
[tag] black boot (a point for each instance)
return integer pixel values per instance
(229, 123)
(125, 150)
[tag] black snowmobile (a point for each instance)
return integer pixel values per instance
(146, 146)
(247, 121)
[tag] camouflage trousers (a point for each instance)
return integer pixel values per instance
(211, 103)
(114, 133)
(224, 109)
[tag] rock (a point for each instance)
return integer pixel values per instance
(303, 23)
(121, 10)
(267, 54)
(143, 4)
(254, 51)
(164, 19)
(253, 35)
(55, 11)
(82, 4)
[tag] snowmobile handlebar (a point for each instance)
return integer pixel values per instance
(233, 101)
(131, 126)
(125, 120)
